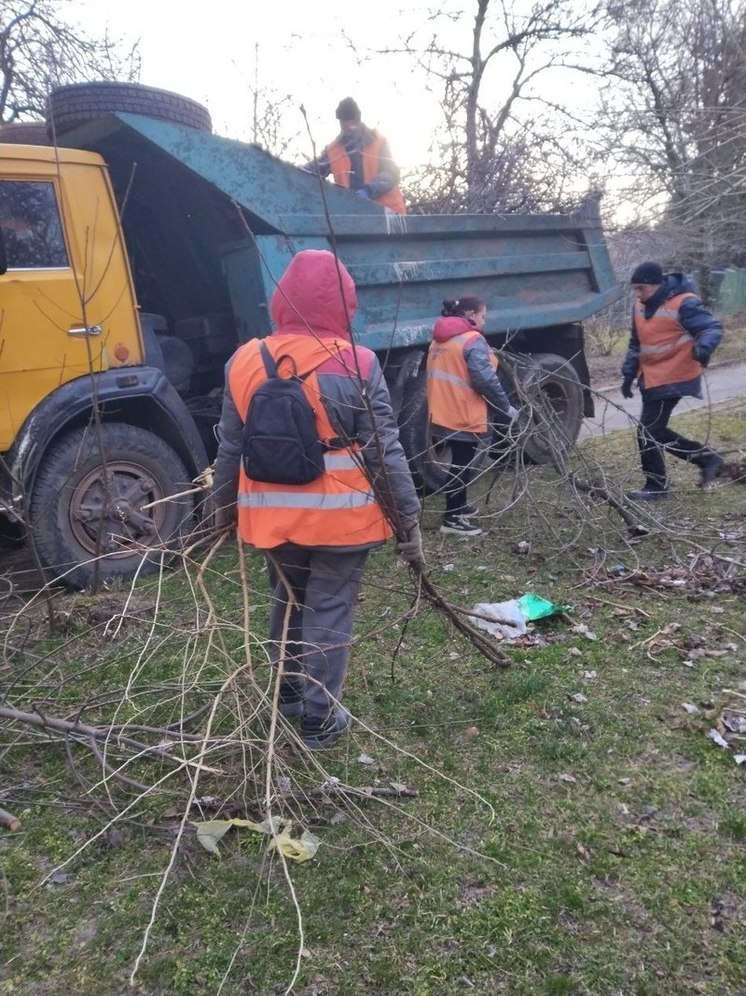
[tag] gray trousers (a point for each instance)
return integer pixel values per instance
(325, 586)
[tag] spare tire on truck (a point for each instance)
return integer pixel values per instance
(24, 133)
(75, 104)
(86, 515)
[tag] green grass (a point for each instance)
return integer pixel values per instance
(555, 847)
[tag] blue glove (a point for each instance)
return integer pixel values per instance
(362, 192)
(701, 355)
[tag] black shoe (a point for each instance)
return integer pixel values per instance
(710, 468)
(316, 734)
(649, 494)
(457, 526)
(468, 510)
(291, 700)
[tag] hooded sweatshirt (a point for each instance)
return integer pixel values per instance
(480, 369)
(315, 300)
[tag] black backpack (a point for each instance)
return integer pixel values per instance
(280, 442)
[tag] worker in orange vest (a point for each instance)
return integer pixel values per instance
(316, 536)
(359, 159)
(464, 397)
(673, 337)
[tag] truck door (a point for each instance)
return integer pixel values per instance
(66, 303)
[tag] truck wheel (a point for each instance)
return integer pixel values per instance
(24, 133)
(87, 513)
(555, 393)
(72, 105)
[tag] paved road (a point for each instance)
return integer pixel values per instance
(721, 383)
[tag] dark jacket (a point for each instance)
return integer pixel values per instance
(385, 180)
(706, 332)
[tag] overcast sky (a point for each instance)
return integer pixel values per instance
(209, 52)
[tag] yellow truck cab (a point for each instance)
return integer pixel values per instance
(88, 433)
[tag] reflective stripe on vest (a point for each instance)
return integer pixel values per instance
(305, 499)
(451, 400)
(339, 161)
(339, 507)
(665, 347)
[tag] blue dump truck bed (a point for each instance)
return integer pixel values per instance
(228, 216)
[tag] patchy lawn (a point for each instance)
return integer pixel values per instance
(575, 829)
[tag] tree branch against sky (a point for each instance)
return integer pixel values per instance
(40, 49)
(494, 63)
(674, 112)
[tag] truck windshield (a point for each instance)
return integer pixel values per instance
(31, 227)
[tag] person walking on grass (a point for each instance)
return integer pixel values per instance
(316, 536)
(464, 395)
(673, 337)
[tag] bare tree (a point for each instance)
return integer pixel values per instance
(673, 115)
(504, 148)
(39, 50)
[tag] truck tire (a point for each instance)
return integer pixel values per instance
(75, 104)
(555, 394)
(69, 505)
(24, 133)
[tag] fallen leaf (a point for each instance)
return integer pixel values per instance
(471, 731)
(567, 778)
(398, 787)
(365, 759)
(690, 708)
(736, 724)
(578, 697)
(718, 739)
(588, 675)
(583, 851)
(739, 758)
(574, 652)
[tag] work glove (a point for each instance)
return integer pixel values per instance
(701, 355)
(409, 547)
(512, 413)
(364, 193)
(627, 391)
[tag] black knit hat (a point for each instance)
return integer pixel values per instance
(647, 273)
(348, 110)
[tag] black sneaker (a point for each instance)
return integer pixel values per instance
(456, 526)
(291, 700)
(316, 734)
(468, 510)
(649, 494)
(710, 468)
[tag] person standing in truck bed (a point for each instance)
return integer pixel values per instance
(359, 159)
(464, 394)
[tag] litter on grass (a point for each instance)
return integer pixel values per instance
(508, 620)
(296, 848)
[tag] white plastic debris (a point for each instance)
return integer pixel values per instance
(503, 619)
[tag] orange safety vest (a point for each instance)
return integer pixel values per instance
(665, 346)
(339, 507)
(451, 400)
(341, 166)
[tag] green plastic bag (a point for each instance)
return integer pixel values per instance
(535, 607)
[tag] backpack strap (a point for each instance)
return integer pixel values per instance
(270, 367)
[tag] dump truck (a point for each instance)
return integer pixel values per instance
(138, 250)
